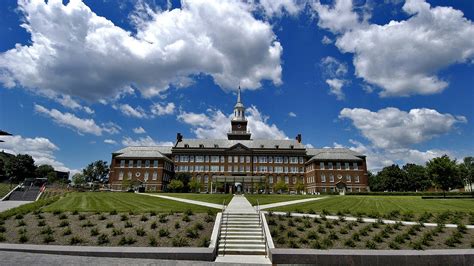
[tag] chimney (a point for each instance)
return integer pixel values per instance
(298, 138)
(179, 137)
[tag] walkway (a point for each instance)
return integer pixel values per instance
(284, 203)
(10, 204)
(196, 202)
(240, 204)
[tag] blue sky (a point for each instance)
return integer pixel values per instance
(81, 79)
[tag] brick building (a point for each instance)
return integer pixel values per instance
(241, 164)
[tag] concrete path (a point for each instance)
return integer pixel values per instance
(368, 220)
(284, 203)
(239, 204)
(196, 202)
(243, 259)
(10, 204)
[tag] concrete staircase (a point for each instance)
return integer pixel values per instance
(29, 194)
(241, 234)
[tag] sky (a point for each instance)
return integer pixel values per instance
(390, 79)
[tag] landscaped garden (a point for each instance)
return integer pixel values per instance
(211, 198)
(274, 198)
(109, 219)
(5, 188)
(323, 233)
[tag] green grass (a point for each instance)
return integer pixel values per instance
(211, 198)
(383, 204)
(274, 198)
(5, 188)
(120, 201)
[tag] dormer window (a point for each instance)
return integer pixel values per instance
(292, 147)
(186, 145)
(261, 146)
(276, 146)
(216, 146)
(201, 145)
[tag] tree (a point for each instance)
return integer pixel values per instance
(281, 186)
(176, 185)
(466, 171)
(392, 178)
(444, 173)
(299, 186)
(20, 167)
(374, 182)
(416, 177)
(194, 185)
(96, 171)
(78, 179)
(184, 178)
(43, 170)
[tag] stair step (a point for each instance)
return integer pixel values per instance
(243, 252)
(240, 236)
(240, 245)
(240, 241)
(245, 232)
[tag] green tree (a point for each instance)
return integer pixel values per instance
(392, 178)
(466, 171)
(194, 185)
(176, 185)
(299, 186)
(78, 179)
(126, 184)
(416, 177)
(20, 167)
(444, 173)
(374, 182)
(184, 178)
(96, 171)
(43, 170)
(281, 186)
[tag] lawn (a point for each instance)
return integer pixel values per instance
(274, 198)
(5, 188)
(119, 201)
(382, 205)
(211, 198)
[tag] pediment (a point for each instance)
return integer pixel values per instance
(239, 147)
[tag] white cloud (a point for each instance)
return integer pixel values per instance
(393, 128)
(335, 87)
(41, 149)
(402, 57)
(277, 8)
(333, 67)
(326, 40)
(215, 124)
(139, 130)
(145, 141)
(67, 102)
(110, 141)
(158, 109)
(75, 52)
(291, 114)
(137, 112)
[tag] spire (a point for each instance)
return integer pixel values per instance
(238, 95)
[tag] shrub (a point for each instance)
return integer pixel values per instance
(328, 225)
(163, 218)
(451, 241)
(109, 225)
(75, 240)
(333, 236)
(397, 225)
(204, 242)
(75, 212)
(117, 232)
(198, 226)
(41, 223)
(325, 212)
(281, 240)
(64, 224)
(113, 212)
(57, 212)
(281, 227)
(87, 224)
(2, 238)
(81, 217)
(209, 219)
(2, 229)
(144, 218)
(326, 242)
(185, 219)
(192, 233)
(370, 244)
(188, 212)
(425, 217)
(271, 222)
(312, 235)
(67, 231)
(316, 220)
(63, 216)
(360, 220)
(377, 238)
(343, 231)
(300, 228)
(39, 216)
(140, 231)
(298, 219)
(152, 241)
(321, 230)
(102, 217)
(417, 245)
(22, 231)
(407, 216)
(462, 228)
(23, 238)
(48, 239)
(103, 239)
(128, 224)
(21, 223)
(393, 245)
(153, 225)
(400, 239)
(126, 241)
(342, 219)
(153, 213)
(179, 241)
(123, 217)
(291, 223)
(293, 244)
(311, 211)
(131, 213)
(303, 241)
(349, 243)
(290, 233)
(163, 232)
(335, 222)
(288, 214)
(94, 232)
(19, 216)
(47, 231)
(315, 245)
(355, 237)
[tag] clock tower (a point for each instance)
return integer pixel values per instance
(238, 129)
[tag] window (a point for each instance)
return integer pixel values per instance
(270, 159)
(139, 163)
(147, 163)
(241, 168)
(294, 180)
(184, 158)
(332, 189)
(321, 165)
(301, 160)
(285, 169)
(356, 179)
(130, 163)
(285, 159)
(242, 159)
(247, 168)
(121, 175)
(262, 159)
(206, 179)
(347, 166)
(122, 163)
(236, 168)
(323, 178)
(199, 159)
(222, 159)
(229, 168)
(330, 166)
(293, 169)
(324, 189)
(270, 169)
(229, 159)
(293, 159)
(247, 159)
(176, 158)
(278, 159)
(129, 175)
(355, 166)
(338, 166)
(255, 159)
(214, 159)
(146, 176)
(206, 159)
(155, 164)
(214, 168)
(206, 168)
(155, 175)
(236, 159)
(191, 159)
(286, 180)
(278, 169)
(331, 178)
(262, 169)
(270, 179)
(348, 178)
(222, 168)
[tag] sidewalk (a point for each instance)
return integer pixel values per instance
(196, 202)
(10, 204)
(239, 204)
(284, 203)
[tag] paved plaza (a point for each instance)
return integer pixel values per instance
(10, 204)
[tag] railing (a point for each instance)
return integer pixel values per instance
(260, 223)
(220, 228)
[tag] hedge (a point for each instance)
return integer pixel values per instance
(410, 193)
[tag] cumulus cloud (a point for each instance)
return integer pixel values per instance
(403, 57)
(335, 71)
(393, 128)
(80, 125)
(41, 149)
(139, 130)
(335, 87)
(67, 102)
(130, 111)
(110, 141)
(158, 109)
(278, 8)
(326, 40)
(215, 124)
(291, 114)
(75, 52)
(144, 141)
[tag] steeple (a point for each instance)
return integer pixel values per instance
(239, 109)
(239, 123)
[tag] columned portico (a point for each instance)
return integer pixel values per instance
(236, 184)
